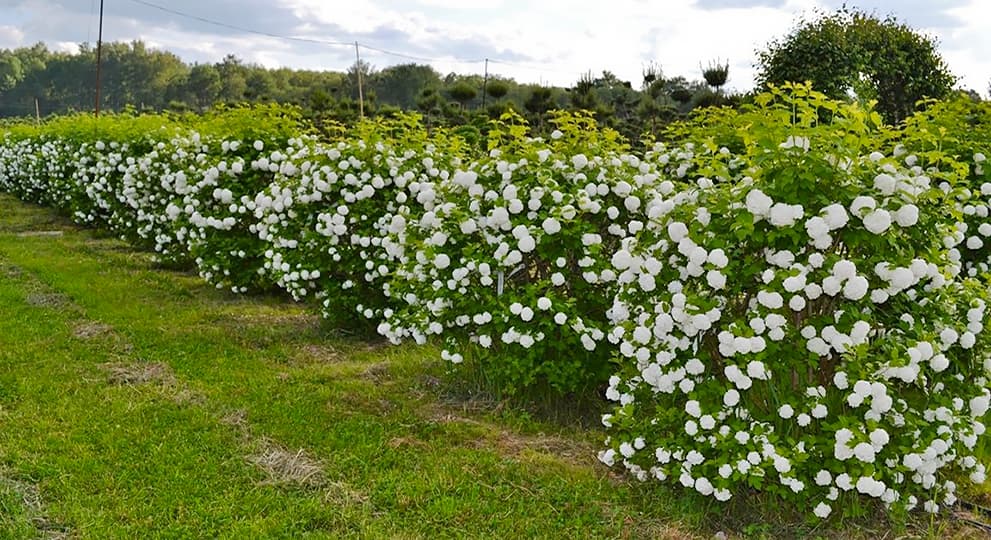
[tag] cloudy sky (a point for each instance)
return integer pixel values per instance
(550, 41)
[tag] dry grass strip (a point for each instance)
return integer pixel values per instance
(130, 374)
(288, 468)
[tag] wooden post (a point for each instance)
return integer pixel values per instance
(37, 112)
(99, 59)
(485, 83)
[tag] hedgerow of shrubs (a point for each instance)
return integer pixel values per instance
(789, 297)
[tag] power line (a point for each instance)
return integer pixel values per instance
(531, 67)
(408, 56)
(240, 28)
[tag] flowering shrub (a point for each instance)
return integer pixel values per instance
(325, 218)
(811, 334)
(217, 212)
(507, 258)
(789, 297)
(957, 133)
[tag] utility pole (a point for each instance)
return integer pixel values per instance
(361, 93)
(485, 82)
(99, 59)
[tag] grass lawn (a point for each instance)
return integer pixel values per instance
(137, 402)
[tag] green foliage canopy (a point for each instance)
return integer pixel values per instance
(852, 52)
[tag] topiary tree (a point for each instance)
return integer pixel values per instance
(497, 89)
(716, 75)
(851, 52)
(463, 93)
(540, 100)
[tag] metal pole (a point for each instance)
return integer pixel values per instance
(361, 94)
(99, 59)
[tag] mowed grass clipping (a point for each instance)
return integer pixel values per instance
(137, 402)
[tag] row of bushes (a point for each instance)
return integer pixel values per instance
(790, 297)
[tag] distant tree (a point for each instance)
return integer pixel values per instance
(11, 71)
(401, 85)
(462, 92)
(497, 89)
(853, 53)
(352, 78)
(203, 85)
(258, 85)
(233, 79)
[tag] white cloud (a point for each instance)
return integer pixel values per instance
(10, 37)
(967, 48)
(65, 46)
(552, 41)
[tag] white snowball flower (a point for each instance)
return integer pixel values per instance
(907, 215)
(794, 283)
(816, 227)
(784, 215)
(716, 279)
(770, 300)
(822, 510)
(693, 408)
(442, 261)
(677, 231)
(758, 203)
(835, 216)
(864, 452)
(823, 478)
(527, 244)
(877, 221)
(885, 183)
(844, 269)
(786, 411)
(855, 288)
(939, 363)
(862, 203)
(718, 258)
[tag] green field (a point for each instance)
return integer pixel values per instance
(137, 402)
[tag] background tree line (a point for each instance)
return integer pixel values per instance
(847, 54)
(145, 79)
